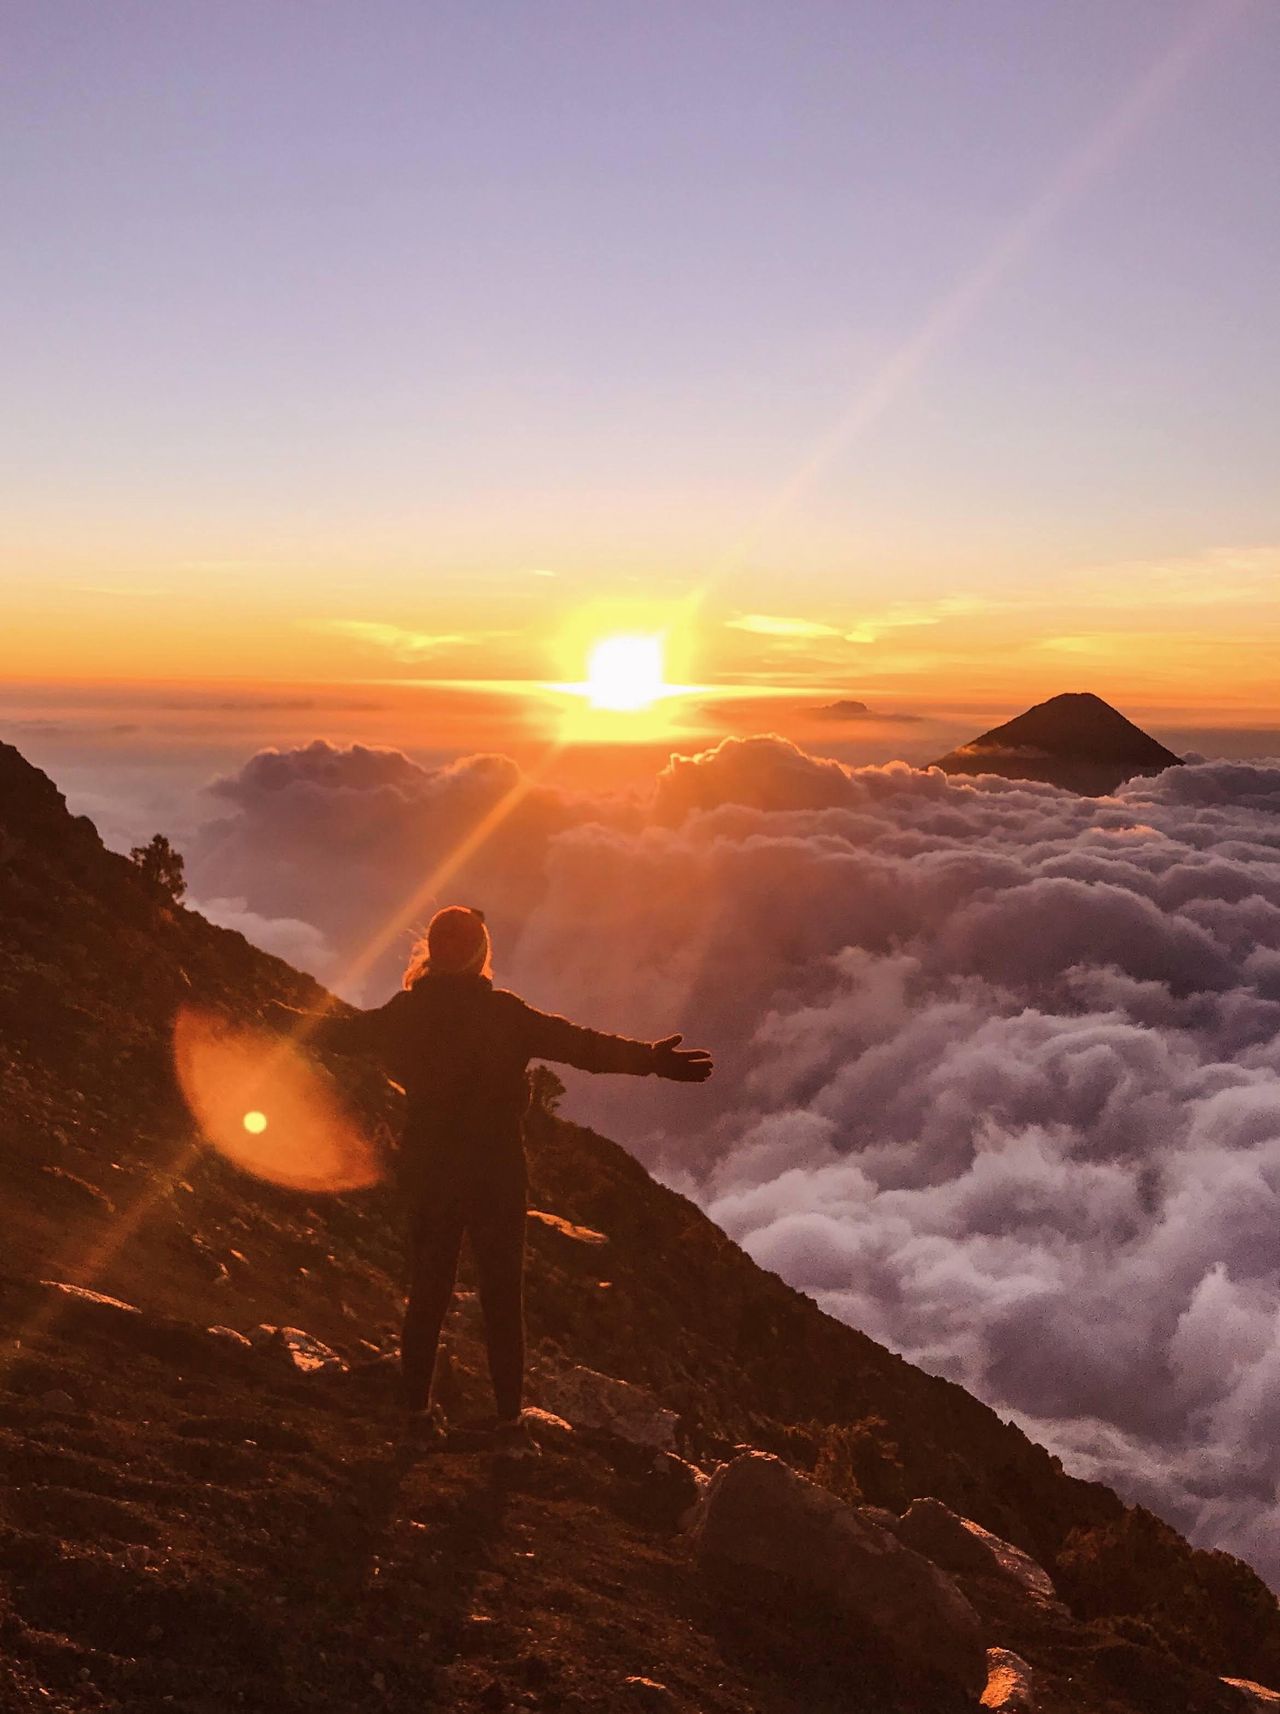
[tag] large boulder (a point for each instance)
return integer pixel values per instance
(610, 1406)
(758, 1512)
(966, 1549)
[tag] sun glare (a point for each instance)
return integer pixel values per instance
(628, 662)
(311, 1140)
(625, 673)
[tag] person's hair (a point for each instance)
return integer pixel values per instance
(456, 942)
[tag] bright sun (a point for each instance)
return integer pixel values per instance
(625, 673)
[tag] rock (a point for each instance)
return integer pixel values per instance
(57, 1399)
(679, 1485)
(307, 1353)
(162, 1337)
(661, 1489)
(679, 1471)
(207, 1264)
(1008, 1683)
(881, 1515)
(231, 1337)
(547, 1428)
(591, 1400)
(75, 1192)
(566, 1228)
(1257, 1697)
(648, 1692)
(82, 1294)
(963, 1547)
(758, 1512)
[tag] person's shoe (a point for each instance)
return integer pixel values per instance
(427, 1429)
(512, 1437)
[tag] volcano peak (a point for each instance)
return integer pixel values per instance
(1075, 740)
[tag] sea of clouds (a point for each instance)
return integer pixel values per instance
(998, 1067)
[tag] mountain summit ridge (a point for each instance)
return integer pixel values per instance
(1075, 740)
(177, 1512)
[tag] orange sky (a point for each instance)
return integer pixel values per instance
(1187, 640)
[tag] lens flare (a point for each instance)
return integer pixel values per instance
(312, 1141)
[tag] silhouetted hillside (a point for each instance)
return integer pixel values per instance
(193, 1522)
(1076, 741)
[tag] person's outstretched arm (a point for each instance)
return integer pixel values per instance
(548, 1036)
(353, 1032)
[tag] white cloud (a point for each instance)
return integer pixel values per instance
(998, 1068)
(903, 616)
(298, 943)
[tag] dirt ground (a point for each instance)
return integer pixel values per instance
(190, 1525)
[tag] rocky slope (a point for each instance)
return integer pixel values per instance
(194, 1521)
(1076, 741)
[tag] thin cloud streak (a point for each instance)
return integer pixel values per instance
(404, 645)
(774, 625)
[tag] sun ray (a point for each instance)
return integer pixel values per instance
(959, 306)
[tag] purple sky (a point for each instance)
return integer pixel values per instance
(297, 275)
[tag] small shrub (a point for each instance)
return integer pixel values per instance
(161, 868)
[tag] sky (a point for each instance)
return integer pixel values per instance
(922, 353)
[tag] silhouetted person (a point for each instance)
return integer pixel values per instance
(460, 1049)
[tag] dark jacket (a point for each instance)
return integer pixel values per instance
(460, 1049)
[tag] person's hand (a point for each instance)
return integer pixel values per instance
(681, 1065)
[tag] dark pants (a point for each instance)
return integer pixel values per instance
(486, 1203)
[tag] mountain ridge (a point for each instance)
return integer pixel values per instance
(1074, 740)
(103, 1186)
